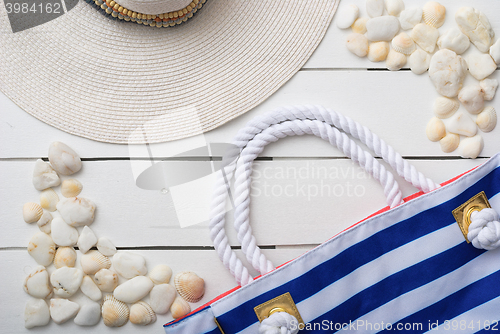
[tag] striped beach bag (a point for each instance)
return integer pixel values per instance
(427, 263)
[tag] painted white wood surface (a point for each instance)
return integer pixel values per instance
(395, 105)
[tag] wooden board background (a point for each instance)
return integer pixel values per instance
(290, 212)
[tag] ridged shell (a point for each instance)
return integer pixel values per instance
(106, 280)
(434, 14)
(450, 142)
(65, 257)
(114, 312)
(190, 286)
(93, 261)
(32, 212)
(71, 188)
(49, 199)
(487, 119)
(142, 314)
(179, 308)
(435, 129)
(160, 274)
(402, 43)
(445, 107)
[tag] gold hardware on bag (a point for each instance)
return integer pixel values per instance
(283, 303)
(218, 325)
(463, 213)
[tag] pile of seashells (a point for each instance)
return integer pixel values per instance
(58, 221)
(447, 69)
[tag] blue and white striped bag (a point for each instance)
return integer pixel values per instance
(407, 268)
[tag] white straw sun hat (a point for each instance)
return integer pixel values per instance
(102, 79)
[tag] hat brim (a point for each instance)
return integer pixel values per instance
(119, 82)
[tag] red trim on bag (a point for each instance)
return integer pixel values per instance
(387, 208)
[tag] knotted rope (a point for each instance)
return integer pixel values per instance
(484, 229)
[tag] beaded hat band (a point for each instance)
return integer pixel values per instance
(169, 19)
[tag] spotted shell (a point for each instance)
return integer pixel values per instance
(32, 212)
(142, 314)
(93, 261)
(190, 286)
(114, 312)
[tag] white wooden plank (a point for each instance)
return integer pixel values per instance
(332, 52)
(295, 194)
(394, 105)
(18, 264)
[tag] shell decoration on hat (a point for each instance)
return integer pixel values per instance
(461, 113)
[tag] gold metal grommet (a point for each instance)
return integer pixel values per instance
(464, 212)
(276, 309)
(282, 303)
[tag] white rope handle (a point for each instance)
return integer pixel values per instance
(484, 229)
(247, 134)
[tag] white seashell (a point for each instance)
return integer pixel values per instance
(160, 274)
(36, 313)
(394, 7)
(179, 308)
(63, 159)
(471, 147)
(425, 36)
(44, 222)
(66, 281)
(402, 43)
(410, 18)
(359, 26)
(435, 129)
(450, 142)
(71, 188)
(49, 199)
(375, 8)
(129, 264)
(134, 289)
(44, 176)
(32, 212)
(37, 284)
(161, 298)
(346, 16)
(382, 28)
(89, 315)
(90, 289)
(77, 211)
(419, 61)
(453, 39)
(357, 44)
(481, 65)
(106, 247)
(378, 51)
(489, 87)
(445, 107)
(42, 249)
(434, 14)
(190, 286)
(61, 310)
(114, 312)
(476, 26)
(472, 98)
(65, 257)
(487, 120)
(86, 240)
(62, 233)
(106, 280)
(495, 52)
(93, 261)
(395, 60)
(142, 314)
(447, 71)
(461, 124)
